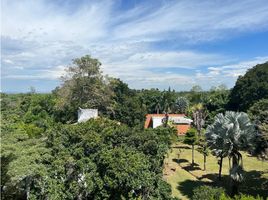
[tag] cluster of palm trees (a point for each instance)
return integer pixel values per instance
(229, 134)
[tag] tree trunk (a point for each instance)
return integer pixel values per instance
(28, 188)
(192, 154)
(220, 165)
(234, 184)
(205, 161)
(199, 133)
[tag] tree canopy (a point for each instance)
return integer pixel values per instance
(250, 88)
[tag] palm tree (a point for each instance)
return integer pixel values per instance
(229, 134)
(199, 116)
(166, 108)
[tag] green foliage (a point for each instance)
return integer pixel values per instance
(22, 166)
(126, 172)
(195, 96)
(127, 106)
(182, 104)
(250, 88)
(199, 114)
(240, 197)
(99, 159)
(156, 101)
(215, 102)
(217, 193)
(229, 134)
(208, 193)
(203, 147)
(85, 86)
(259, 113)
(190, 137)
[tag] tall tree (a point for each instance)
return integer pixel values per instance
(195, 96)
(182, 104)
(229, 134)
(250, 88)
(191, 139)
(199, 115)
(215, 101)
(259, 114)
(85, 86)
(22, 166)
(203, 148)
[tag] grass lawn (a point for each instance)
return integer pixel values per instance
(183, 177)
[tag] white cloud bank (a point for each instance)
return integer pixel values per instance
(39, 38)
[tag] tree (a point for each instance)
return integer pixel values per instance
(191, 139)
(117, 165)
(199, 115)
(22, 166)
(126, 107)
(203, 148)
(209, 193)
(215, 101)
(151, 100)
(85, 86)
(168, 101)
(250, 88)
(182, 104)
(195, 95)
(229, 134)
(259, 114)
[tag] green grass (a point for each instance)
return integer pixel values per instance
(183, 178)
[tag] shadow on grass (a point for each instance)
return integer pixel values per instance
(191, 167)
(254, 184)
(179, 161)
(186, 187)
(181, 147)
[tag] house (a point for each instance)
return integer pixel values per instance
(180, 121)
(86, 114)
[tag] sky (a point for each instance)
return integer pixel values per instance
(147, 44)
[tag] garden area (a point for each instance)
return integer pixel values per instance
(185, 177)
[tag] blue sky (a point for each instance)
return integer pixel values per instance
(148, 44)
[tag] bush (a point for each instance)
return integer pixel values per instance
(240, 197)
(208, 193)
(216, 193)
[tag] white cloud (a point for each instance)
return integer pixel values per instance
(227, 74)
(7, 61)
(197, 20)
(237, 69)
(37, 35)
(49, 74)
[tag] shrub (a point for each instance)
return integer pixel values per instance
(240, 197)
(208, 193)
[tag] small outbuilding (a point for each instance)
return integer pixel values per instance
(86, 114)
(180, 121)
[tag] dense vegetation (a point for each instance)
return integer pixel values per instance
(44, 155)
(100, 159)
(250, 88)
